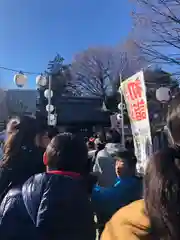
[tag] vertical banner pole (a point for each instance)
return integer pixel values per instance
(49, 98)
(122, 117)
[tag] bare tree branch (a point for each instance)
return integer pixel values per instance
(96, 70)
(160, 22)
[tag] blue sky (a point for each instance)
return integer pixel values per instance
(33, 31)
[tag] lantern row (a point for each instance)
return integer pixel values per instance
(20, 80)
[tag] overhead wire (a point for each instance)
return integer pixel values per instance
(17, 71)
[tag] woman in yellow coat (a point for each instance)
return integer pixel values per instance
(129, 223)
(158, 215)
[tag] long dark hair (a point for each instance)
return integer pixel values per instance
(21, 140)
(173, 120)
(162, 194)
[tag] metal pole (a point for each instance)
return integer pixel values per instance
(122, 117)
(49, 98)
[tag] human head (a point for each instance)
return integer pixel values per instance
(44, 135)
(125, 164)
(112, 136)
(173, 119)
(162, 194)
(42, 139)
(67, 152)
(22, 137)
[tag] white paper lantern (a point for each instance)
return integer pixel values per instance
(119, 116)
(49, 108)
(52, 120)
(41, 80)
(47, 93)
(20, 79)
(119, 106)
(52, 117)
(163, 94)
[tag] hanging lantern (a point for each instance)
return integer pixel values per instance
(49, 108)
(119, 106)
(41, 80)
(119, 116)
(20, 79)
(48, 93)
(163, 94)
(52, 119)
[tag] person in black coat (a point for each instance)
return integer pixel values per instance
(56, 204)
(21, 158)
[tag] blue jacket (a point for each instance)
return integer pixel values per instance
(107, 201)
(49, 206)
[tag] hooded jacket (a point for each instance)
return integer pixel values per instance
(105, 164)
(50, 206)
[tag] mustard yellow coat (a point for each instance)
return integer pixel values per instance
(129, 223)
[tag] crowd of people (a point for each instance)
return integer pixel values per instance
(60, 186)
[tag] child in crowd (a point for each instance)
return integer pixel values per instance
(127, 188)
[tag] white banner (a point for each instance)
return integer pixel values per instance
(134, 92)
